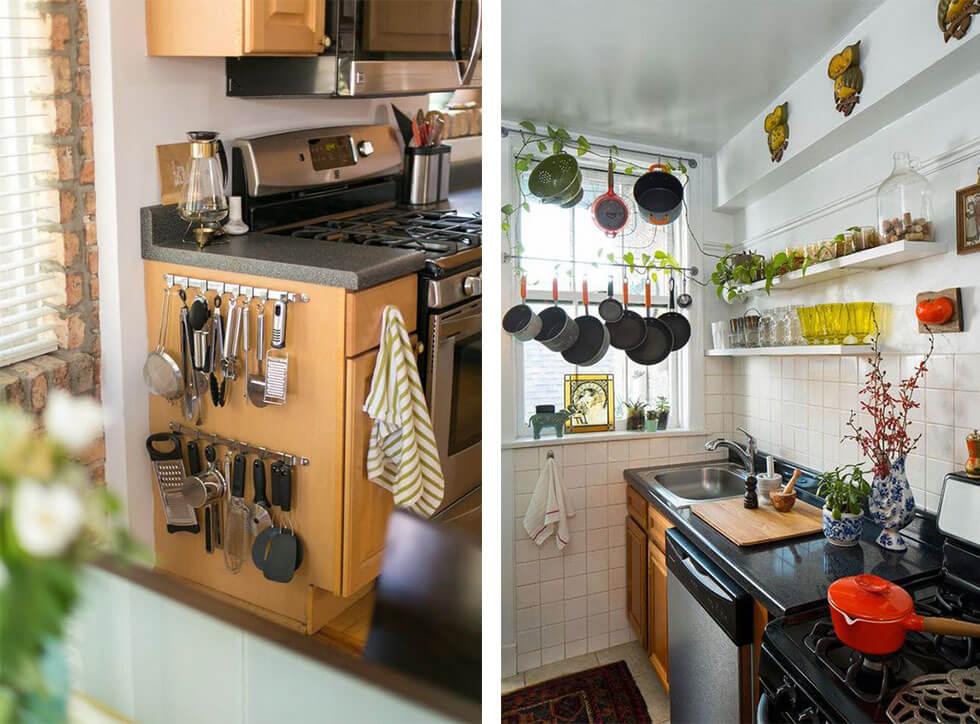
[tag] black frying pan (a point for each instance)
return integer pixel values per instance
(658, 342)
(630, 330)
(610, 308)
(593, 337)
(680, 328)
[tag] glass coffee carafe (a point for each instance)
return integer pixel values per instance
(204, 204)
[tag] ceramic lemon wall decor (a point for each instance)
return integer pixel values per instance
(955, 17)
(845, 71)
(777, 129)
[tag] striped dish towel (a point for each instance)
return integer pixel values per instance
(402, 453)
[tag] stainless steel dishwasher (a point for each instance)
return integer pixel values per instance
(710, 632)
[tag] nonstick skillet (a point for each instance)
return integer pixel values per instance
(658, 342)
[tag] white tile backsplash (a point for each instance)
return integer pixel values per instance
(574, 600)
(799, 408)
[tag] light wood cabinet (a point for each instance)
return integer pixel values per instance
(657, 638)
(231, 28)
(339, 515)
(636, 579)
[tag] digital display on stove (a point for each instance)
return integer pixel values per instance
(333, 152)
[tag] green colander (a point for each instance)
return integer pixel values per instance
(553, 176)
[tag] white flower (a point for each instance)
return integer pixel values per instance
(46, 518)
(74, 422)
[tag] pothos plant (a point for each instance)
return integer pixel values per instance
(558, 140)
(736, 270)
(52, 520)
(844, 490)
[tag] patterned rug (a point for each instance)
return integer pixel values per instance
(603, 695)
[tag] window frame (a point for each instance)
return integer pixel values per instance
(685, 365)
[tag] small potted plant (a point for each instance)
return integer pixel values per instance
(844, 491)
(634, 414)
(652, 421)
(662, 408)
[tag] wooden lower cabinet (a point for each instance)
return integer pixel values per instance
(657, 639)
(636, 579)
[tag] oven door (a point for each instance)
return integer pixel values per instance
(409, 46)
(453, 388)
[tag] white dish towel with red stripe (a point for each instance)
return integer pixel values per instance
(549, 509)
(402, 454)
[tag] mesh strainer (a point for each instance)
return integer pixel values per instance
(160, 372)
(553, 176)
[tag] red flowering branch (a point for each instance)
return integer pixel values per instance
(888, 436)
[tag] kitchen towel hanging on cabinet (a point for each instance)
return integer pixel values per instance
(402, 453)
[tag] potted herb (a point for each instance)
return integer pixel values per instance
(662, 408)
(653, 421)
(844, 491)
(634, 414)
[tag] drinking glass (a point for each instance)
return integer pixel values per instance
(860, 322)
(795, 334)
(833, 322)
(751, 326)
(808, 323)
(767, 328)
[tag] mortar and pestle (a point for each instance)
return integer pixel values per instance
(784, 500)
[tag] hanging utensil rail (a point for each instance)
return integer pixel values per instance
(691, 271)
(241, 445)
(235, 290)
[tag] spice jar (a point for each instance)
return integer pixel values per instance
(973, 453)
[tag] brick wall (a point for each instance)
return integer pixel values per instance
(75, 367)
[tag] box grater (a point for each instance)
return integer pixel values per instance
(168, 468)
(276, 376)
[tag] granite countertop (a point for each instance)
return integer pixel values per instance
(787, 576)
(348, 266)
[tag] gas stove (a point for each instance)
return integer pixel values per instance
(809, 675)
(441, 235)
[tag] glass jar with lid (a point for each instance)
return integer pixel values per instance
(905, 204)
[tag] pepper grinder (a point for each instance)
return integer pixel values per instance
(751, 499)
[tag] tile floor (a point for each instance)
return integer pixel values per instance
(632, 653)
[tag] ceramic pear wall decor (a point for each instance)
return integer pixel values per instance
(777, 130)
(845, 70)
(955, 17)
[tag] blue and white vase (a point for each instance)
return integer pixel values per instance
(844, 532)
(892, 506)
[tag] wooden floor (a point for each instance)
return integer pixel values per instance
(349, 631)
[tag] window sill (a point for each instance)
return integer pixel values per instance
(585, 437)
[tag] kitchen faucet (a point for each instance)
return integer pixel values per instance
(746, 454)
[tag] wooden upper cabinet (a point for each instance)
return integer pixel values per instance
(284, 26)
(231, 28)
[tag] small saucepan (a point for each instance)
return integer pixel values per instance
(593, 337)
(872, 615)
(558, 330)
(680, 327)
(522, 322)
(660, 194)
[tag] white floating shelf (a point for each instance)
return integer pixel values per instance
(879, 257)
(816, 350)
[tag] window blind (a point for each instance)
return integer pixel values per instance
(31, 277)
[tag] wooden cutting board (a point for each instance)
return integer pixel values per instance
(746, 527)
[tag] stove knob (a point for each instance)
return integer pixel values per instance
(365, 148)
(472, 286)
(785, 697)
(808, 716)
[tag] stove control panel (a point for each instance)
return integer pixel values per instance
(316, 157)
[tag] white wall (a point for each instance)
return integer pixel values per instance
(799, 408)
(138, 103)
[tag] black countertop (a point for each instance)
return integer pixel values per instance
(791, 575)
(349, 266)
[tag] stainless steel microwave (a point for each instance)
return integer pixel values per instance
(375, 48)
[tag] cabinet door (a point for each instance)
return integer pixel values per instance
(284, 26)
(658, 645)
(366, 506)
(636, 579)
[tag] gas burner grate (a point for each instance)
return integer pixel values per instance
(961, 651)
(437, 233)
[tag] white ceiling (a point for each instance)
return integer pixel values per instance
(678, 73)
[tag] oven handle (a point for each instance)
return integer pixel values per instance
(466, 75)
(762, 711)
(460, 321)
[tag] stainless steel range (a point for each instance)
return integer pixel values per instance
(340, 185)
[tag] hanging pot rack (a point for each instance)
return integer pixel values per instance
(689, 162)
(690, 271)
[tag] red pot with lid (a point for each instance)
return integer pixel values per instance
(872, 615)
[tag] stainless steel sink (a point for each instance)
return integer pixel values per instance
(685, 485)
